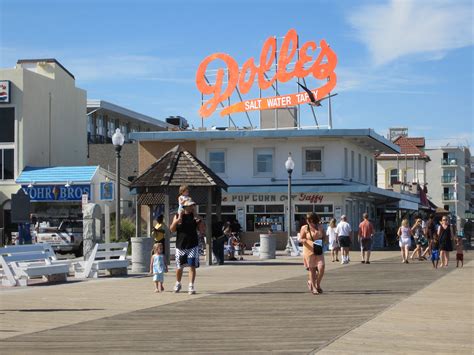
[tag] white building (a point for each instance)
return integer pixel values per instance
(40, 120)
(449, 179)
(334, 173)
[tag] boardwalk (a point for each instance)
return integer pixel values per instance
(279, 316)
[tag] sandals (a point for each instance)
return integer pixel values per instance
(310, 286)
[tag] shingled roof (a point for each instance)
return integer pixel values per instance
(177, 167)
(408, 145)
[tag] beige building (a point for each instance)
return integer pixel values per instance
(43, 119)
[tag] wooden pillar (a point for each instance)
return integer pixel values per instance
(209, 226)
(138, 218)
(149, 221)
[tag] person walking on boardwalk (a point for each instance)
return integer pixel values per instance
(344, 232)
(366, 233)
(430, 233)
(158, 267)
(186, 227)
(420, 240)
(312, 237)
(446, 235)
(404, 240)
(333, 242)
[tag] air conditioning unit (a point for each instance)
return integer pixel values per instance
(178, 121)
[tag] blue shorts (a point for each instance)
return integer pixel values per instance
(434, 255)
(187, 257)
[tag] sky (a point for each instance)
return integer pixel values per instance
(401, 63)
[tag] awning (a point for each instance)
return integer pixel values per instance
(57, 174)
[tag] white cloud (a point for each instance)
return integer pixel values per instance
(408, 27)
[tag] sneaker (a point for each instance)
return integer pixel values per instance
(367, 262)
(177, 287)
(191, 290)
(343, 262)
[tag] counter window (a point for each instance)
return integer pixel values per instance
(262, 218)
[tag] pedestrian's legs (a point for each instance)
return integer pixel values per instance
(157, 286)
(407, 252)
(442, 254)
(192, 274)
(179, 275)
(447, 259)
(368, 257)
(402, 251)
(320, 274)
(313, 277)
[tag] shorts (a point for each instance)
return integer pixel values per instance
(459, 257)
(158, 277)
(344, 241)
(434, 255)
(366, 244)
(187, 257)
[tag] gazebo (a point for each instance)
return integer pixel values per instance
(160, 183)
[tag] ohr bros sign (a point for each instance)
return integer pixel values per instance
(57, 192)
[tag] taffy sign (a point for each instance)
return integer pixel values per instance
(320, 66)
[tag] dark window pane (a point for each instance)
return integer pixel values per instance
(7, 124)
(313, 155)
(303, 208)
(322, 208)
(8, 164)
(275, 208)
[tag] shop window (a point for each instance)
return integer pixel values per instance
(216, 161)
(262, 218)
(6, 164)
(313, 160)
(263, 163)
(7, 119)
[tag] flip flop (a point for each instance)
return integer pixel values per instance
(319, 289)
(310, 286)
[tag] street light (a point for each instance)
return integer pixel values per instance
(289, 166)
(117, 140)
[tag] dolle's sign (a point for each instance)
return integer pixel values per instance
(322, 69)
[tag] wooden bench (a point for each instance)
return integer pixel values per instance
(22, 262)
(108, 256)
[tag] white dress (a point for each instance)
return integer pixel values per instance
(331, 232)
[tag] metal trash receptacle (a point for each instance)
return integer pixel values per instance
(267, 246)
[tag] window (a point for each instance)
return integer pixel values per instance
(352, 164)
(346, 164)
(216, 161)
(263, 161)
(372, 171)
(365, 169)
(360, 167)
(393, 176)
(313, 160)
(6, 164)
(7, 119)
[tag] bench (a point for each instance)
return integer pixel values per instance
(107, 256)
(22, 262)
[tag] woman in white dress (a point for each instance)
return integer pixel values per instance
(333, 243)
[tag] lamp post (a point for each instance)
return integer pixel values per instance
(289, 166)
(117, 140)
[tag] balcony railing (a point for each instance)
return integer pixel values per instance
(447, 179)
(449, 161)
(448, 196)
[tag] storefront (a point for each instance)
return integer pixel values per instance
(57, 193)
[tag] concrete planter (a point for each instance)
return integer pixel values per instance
(141, 253)
(267, 246)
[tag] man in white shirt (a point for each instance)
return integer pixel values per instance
(344, 232)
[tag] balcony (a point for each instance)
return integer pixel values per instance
(447, 179)
(449, 162)
(450, 196)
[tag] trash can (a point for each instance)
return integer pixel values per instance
(218, 249)
(267, 246)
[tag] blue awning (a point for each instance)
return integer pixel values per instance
(57, 174)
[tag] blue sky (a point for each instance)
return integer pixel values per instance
(401, 63)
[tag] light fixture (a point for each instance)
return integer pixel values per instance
(289, 166)
(117, 140)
